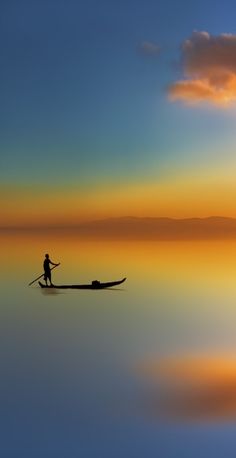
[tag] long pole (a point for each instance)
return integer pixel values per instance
(40, 276)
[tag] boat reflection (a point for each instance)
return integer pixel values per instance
(50, 291)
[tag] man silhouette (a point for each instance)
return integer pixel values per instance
(47, 270)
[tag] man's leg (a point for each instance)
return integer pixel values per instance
(50, 278)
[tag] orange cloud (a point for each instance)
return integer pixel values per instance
(209, 68)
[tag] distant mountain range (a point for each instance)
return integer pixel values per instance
(136, 228)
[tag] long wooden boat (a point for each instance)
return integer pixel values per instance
(94, 285)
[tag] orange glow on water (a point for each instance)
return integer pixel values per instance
(167, 282)
(185, 263)
(195, 371)
(194, 387)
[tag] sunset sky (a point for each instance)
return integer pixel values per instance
(116, 108)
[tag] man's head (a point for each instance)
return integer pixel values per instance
(47, 255)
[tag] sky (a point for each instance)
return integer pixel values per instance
(116, 108)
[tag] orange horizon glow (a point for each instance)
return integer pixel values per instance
(185, 197)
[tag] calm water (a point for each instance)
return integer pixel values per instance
(146, 369)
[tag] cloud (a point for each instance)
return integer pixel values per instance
(148, 48)
(209, 70)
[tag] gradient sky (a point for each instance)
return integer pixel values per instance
(103, 113)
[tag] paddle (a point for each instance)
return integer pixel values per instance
(40, 276)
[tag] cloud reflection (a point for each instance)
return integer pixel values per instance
(192, 388)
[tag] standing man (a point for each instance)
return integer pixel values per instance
(47, 270)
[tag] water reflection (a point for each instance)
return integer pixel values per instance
(66, 361)
(50, 291)
(192, 388)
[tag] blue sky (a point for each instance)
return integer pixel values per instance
(80, 103)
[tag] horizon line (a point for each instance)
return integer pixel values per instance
(64, 226)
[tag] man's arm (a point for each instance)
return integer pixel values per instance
(53, 263)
